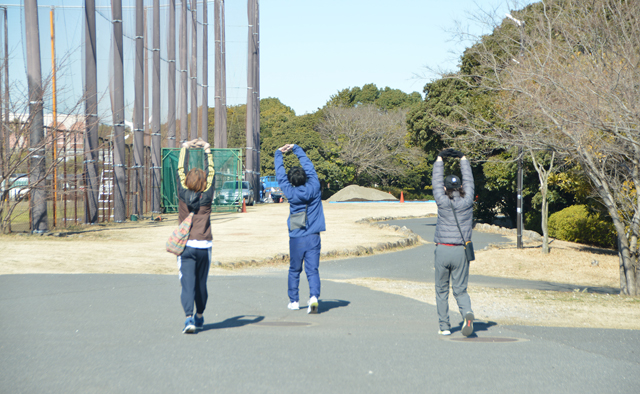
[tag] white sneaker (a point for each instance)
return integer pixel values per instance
(294, 306)
(313, 305)
(444, 332)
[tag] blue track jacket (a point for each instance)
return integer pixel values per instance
(298, 197)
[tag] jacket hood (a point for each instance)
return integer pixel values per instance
(192, 199)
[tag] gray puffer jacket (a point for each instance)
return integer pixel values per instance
(446, 229)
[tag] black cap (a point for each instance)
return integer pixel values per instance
(452, 182)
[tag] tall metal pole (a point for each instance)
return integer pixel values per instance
(256, 98)
(194, 70)
(54, 125)
(138, 126)
(171, 94)
(250, 102)
(220, 129)
(7, 103)
(519, 181)
(519, 212)
(147, 99)
(146, 162)
(91, 113)
(3, 136)
(183, 72)
(204, 124)
(38, 195)
(253, 103)
(119, 211)
(223, 76)
(155, 113)
(217, 143)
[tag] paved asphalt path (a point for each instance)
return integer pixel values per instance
(122, 334)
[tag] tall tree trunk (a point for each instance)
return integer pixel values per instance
(627, 247)
(543, 177)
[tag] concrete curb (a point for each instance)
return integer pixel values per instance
(491, 228)
(410, 239)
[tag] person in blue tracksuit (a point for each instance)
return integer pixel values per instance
(301, 187)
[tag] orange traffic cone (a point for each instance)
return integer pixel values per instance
(244, 206)
(401, 196)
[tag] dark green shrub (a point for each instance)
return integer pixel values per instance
(327, 193)
(577, 224)
(533, 221)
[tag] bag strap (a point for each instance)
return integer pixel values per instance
(189, 219)
(457, 224)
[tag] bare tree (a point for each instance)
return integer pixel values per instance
(16, 184)
(543, 177)
(369, 140)
(568, 79)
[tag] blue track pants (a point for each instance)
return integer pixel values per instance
(304, 249)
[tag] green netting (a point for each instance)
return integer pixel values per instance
(228, 166)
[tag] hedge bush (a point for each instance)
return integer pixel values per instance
(577, 224)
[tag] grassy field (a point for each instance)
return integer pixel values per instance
(74, 214)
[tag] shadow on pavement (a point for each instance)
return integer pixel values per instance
(233, 322)
(477, 326)
(327, 305)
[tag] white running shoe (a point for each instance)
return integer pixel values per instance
(313, 305)
(444, 332)
(294, 306)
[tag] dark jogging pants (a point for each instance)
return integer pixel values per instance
(194, 270)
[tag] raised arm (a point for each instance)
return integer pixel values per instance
(437, 180)
(467, 178)
(211, 171)
(182, 160)
(281, 174)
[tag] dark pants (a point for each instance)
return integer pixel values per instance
(305, 249)
(194, 270)
(451, 263)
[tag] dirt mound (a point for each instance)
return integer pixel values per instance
(359, 193)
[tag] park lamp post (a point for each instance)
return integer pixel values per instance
(519, 213)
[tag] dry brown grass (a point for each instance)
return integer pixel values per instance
(526, 307)
(566, 263)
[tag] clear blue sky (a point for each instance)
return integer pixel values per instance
(309, 49)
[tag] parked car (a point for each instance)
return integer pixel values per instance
(18, 187)
(232, 192)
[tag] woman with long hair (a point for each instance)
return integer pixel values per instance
(195, 195)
